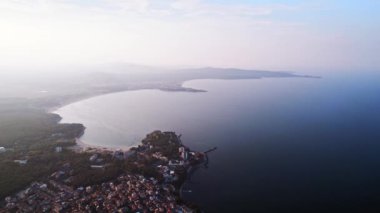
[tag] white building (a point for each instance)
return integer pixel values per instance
(21, 162)
(181, 149)
(2, 149)
(94, 157)
(176, 163)
(97, 166)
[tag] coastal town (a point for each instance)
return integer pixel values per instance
(148, 178)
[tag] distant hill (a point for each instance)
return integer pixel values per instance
(60, 86)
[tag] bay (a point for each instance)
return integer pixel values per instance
(284, 144)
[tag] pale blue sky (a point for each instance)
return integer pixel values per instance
(289, 34)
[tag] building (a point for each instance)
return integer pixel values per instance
(97, 166)
(2, 149)
(129, 153)
(119, 154)
(58, 149)
(181, 149)
(183, 153)
(21, 162)
(176, 163)
(94, 157)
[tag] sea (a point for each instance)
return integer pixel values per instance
(283, 144)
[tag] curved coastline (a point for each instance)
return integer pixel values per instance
(81, 97)
(208, 73)
(85, 146)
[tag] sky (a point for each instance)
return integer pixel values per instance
(270, 35)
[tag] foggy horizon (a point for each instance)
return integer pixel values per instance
(299, 36)
(190, 106)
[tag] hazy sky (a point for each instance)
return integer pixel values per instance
(284, 35)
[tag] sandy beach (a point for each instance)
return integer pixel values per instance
(81, 146)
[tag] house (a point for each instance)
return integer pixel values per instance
(183, 153)
(94, 157)
(176, 163)
(97, 166)
(21, 162)
(89, 189)
(58, 174)
(119, 154)
(129, 153)
(181, 149)
(58, 149)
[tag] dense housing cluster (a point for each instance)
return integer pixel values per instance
(150, 182)
(128, 193)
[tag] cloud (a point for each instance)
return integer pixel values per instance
(146, 7)
(185, 4)
(140, 6)
(203, 8)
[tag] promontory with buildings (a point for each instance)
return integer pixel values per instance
(146, 178)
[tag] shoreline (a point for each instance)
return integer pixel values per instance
(82, 146)
(81, 97)
(177, 87)
(126, 178)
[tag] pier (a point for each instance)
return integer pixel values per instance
(210, 150)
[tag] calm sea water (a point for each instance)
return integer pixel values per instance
(284, 145)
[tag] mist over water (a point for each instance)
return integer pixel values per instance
(288, 144)
(286, 140)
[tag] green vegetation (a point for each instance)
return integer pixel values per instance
(164, 144)
(84, 175)
(31, 134)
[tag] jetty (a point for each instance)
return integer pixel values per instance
(210, 150)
